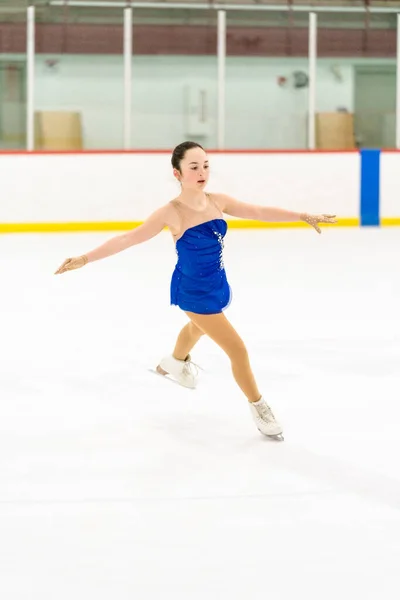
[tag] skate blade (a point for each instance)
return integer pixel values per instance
(278, 437)
(169, 378)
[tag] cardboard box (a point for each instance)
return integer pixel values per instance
(59, 130)
(334, 131)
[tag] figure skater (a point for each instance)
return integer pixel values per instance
(199, 284)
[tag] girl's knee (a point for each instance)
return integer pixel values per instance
(238, 352)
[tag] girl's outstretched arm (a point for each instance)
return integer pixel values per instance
(149, 229)
(235, 208)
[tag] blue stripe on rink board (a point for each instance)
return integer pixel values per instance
(369, 189)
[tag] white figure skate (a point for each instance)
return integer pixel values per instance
(265, 420)
(184, 372)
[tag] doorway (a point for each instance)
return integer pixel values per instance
(12, 104)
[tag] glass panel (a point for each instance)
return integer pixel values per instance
(174, 88)
(12, 77)
(267, 60)
(79, 92)
(356, 81)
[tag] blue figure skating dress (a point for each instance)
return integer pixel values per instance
(199, 283)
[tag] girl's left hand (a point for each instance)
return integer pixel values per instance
(313, 220)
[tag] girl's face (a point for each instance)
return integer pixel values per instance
(194, 171)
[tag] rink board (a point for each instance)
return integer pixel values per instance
(101, 191)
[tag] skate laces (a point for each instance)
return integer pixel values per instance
(265, 412)
(191, 369)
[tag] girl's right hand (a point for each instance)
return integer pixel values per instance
(72, 263)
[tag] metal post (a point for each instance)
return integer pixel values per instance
(30, 84)
(312, 60)
(398, 84)
(127, 77)
(221, 78)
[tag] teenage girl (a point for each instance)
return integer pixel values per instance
(199, 285)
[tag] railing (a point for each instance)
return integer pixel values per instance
(304, 50)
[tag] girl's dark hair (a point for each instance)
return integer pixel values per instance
(179, 153)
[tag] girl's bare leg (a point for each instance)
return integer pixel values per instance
(219, 329)
(187, 339)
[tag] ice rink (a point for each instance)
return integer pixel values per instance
(118, 485)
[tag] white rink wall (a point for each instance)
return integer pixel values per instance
(389, 185)
(109, 187)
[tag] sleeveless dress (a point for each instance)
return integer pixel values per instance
(199, 283)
